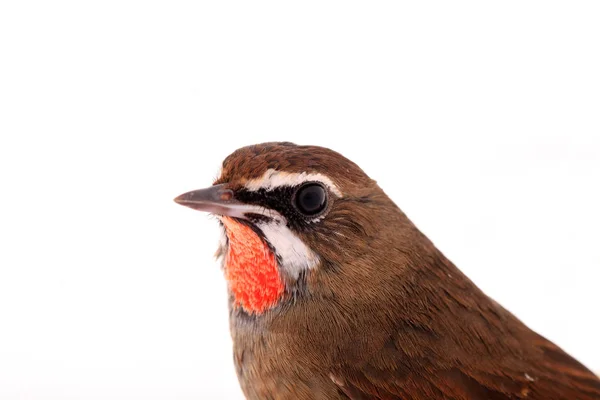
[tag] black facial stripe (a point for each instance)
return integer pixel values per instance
(279, 199)
(256, 218)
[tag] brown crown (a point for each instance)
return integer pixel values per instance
(253, 161)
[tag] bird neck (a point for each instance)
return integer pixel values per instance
(251, 269)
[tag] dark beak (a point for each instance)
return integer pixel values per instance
(216, 199)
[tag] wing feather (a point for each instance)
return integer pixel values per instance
(417, 364)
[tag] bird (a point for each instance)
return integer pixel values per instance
(335, 294)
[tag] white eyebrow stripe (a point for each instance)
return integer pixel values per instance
(272, 179)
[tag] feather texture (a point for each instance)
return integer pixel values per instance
(384, 314)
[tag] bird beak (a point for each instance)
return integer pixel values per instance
(218, 200)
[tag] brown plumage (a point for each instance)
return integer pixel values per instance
(379, 313)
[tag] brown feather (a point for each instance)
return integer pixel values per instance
(385, 315)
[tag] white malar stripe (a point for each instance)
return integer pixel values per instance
(294, 255)
(223, 243)
(240, 211)
(273, 179)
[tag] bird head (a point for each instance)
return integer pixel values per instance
(290, 215)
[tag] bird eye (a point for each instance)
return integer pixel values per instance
(310, 199)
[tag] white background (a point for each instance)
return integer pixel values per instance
(481, 120)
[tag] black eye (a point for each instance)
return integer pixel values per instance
(310, 199)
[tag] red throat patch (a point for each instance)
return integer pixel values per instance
(251, 269)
